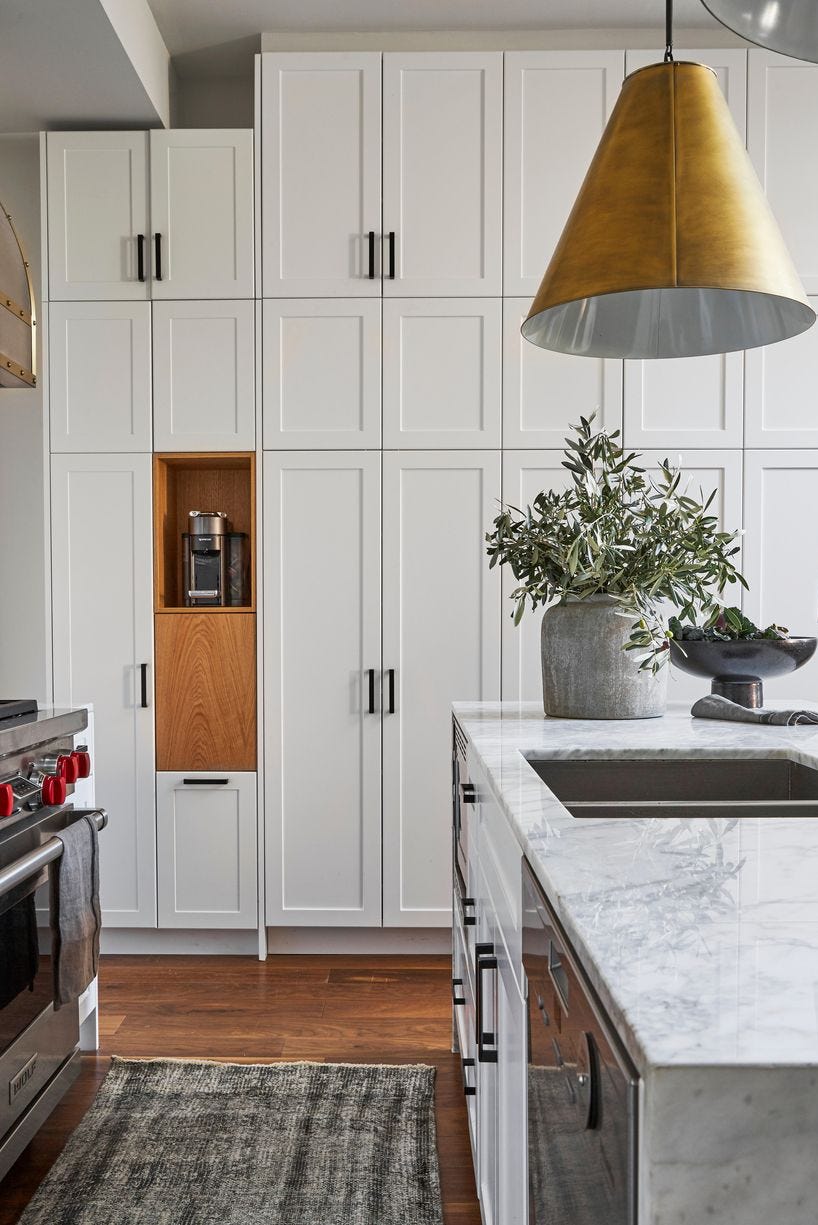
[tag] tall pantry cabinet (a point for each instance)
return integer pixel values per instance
(149, 304)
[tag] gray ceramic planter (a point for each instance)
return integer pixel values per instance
(586, 674)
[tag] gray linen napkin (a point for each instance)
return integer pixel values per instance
(75, 914)
(716, 707)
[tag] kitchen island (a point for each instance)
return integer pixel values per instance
(699, 936)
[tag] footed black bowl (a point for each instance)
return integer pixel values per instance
(737, 668)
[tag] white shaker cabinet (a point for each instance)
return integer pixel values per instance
(103, 653)
(556, 106)
(442, 372)
(685, 402)
(97, 215)
(206, 850)
(544, 392)
(100, 376)
(321, 174)
(440, 644)
(782, 96)
(322, 661)
(321, 373)
(202, 213)
(204, 376)
(781, 392)
(442, 173)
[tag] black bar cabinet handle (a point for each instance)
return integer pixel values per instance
(390, 676)
(140, 257)
(484, 959)
(143, 669)
(371, 682)
(157, 261)
(468, 793)
(457, 998)
(391, 255)
(468, 1090)
(469, 920)
(205, 782)
(371, 241)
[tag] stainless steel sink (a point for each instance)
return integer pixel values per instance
(681, 786)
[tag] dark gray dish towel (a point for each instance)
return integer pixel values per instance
(714, 706)
(75, 913)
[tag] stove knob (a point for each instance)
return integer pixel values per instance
(67, 767)
(6, 799)
(53, 790)
(83, 760)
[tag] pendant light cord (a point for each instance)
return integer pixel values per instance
(668, 31)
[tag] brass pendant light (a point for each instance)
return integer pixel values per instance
(671, 249)
(787, 26)
(17, 322)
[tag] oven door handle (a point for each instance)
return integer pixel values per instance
(29, 865)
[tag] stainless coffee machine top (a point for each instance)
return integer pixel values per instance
(214, 561)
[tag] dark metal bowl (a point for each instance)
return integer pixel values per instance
(737, 668)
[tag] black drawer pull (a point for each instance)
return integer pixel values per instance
(484, 959)
(140, 257)
(205, 782)
(391, 255)
(371, 698)
(143, 673)
(157, 262)
(468, 793)
(390, 676)
(457, 999)
(469, 920)
(371, 241)
(468, 1090)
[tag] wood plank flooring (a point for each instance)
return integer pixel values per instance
(331, 1009)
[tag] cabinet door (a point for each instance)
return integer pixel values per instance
(545, 157)
(780, 494)
(441, 372)
(442, 172)
(544, 392)
(204, 376)
(441, 638)
(779, 392)
(781, 92)
(321, 174)
(512, 1092)
(322, 663)
(322, 373)
(202, 214)
(101, 585)
(97, 211)
(206, 850)
(100, 376)
(685, 402)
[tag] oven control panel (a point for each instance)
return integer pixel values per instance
(47, 782)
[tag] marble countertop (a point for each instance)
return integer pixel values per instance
(700, 936)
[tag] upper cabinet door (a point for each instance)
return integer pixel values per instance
(779, 392)
(442, 173)
(546, 158)
(729, 65)
(97, 215)
(782, 95)
(202, 214)
(681, 402)
(321, 174)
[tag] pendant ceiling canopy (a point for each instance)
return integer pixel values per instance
(788, 26)
(671, 249)
(17, 361)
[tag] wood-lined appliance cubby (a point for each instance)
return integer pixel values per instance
(205, 660)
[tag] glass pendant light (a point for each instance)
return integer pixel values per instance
(788, 26)
(671, 249)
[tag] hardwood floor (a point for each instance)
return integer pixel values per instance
(330, 1009)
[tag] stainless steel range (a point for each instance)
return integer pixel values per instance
(41, 763)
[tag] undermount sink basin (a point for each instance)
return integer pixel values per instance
(681, 786)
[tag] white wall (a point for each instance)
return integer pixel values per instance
(24, 632)
(213, 102)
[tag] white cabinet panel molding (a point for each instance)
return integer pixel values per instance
(545, 392)
(781, 94)
(684, 402)
(100, 376)
(728, 63)
(206, 850)
(322, 373)
(204, 376)
(321, 173)
(781, 392)
(202, 213)
(442, 172)
(441, 633)
(441, 372)
(556, 106)
(322, 635)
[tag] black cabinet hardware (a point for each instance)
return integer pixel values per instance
(456, 998)
(468, 1090)
(390, 676)
(468, 793)
(469, 920)
(140, 257)
(143, 671)
(371, 676)
(157, 261)
(391, 255)
(371, 241)
(484, 960)
(205, 782)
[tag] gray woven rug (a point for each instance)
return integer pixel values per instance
(171, 1142)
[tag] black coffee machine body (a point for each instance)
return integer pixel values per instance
(214, 562)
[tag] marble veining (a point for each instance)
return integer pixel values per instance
(701, 936)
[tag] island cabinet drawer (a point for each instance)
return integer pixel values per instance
(464, 1024)
(501, 864)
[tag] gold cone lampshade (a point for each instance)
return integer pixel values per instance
(671, 249)
(17, 348)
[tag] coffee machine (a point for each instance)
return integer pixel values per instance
(214, 561)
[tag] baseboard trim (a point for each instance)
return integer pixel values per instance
(136, 940)
(360, 940)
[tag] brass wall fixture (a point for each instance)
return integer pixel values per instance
(787, 26)
(671, 249)
(18, 362)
